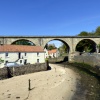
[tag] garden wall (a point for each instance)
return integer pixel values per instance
(8, 72)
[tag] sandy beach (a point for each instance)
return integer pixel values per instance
(56, 84)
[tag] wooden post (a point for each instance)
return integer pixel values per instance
(29, 88)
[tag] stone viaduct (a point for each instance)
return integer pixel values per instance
(70, 41)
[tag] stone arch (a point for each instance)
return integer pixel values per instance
(91, 42)
(58, 40)
(28, 41)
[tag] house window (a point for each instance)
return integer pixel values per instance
(37, 60)
(25, 54)
(6, 61)
(6, 54)
(20, 61)
(37, 53)
(19, 55)
(25, 61)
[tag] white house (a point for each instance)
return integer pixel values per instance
(21, 54)
(52, 53)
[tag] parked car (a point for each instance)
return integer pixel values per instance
(10, 64)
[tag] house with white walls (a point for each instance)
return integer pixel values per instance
(21, 54)
(46, 53)
(54, 53)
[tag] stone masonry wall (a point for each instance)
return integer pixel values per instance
(8, 72)
(93, 60)
(88, 59)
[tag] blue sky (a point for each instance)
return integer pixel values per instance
(57, 43)
(48, 17)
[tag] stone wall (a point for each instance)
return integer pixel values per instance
(8, 72)
(59, 59)
(90, 59)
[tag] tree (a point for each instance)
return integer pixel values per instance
(91, 34)
(88, 48)
(23, 42)
(51, 46)
(97, 32)
(86, 45)
(46, 46)
(98, 47)
(63, 48)
(83, 33)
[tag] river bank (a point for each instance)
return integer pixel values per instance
(88, 87)
(59, 83)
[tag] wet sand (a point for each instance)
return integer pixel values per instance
(56, 84)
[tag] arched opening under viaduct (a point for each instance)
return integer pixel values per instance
(61, 47)
(23, 42)
(86, 45)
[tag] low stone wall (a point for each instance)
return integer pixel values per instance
(8, 72)
(59, 59)
(88, 59)
(92, 60)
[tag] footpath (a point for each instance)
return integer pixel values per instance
(56, 84)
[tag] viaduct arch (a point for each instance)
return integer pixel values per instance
(59, 40)
(20, 41)
(88, 43)
(71, 41)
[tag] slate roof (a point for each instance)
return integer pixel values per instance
(20, 48)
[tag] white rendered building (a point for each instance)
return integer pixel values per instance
(21, 54)
(52, 53)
